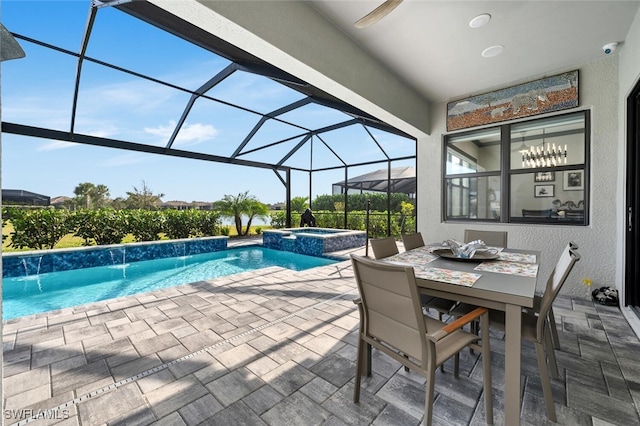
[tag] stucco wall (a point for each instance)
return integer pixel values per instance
(598, 92)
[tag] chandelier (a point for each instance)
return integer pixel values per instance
(538, 156)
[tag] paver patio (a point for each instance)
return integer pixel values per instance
(277, 347)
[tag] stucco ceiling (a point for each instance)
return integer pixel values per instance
(431, 46)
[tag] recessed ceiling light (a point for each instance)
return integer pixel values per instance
(480, 20)
(492, 51)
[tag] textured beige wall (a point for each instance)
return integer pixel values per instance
(598, 93)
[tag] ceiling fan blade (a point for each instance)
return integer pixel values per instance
(377, 14)
(10, 47)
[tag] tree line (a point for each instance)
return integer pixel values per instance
(92, 197)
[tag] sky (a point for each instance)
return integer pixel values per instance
(38, 91)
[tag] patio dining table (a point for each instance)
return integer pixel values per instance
(507, 283)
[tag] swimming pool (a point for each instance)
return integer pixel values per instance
(44, 292)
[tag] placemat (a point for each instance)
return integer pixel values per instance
(446, 275)
(412, 257)
(517, 257)
(511, 268)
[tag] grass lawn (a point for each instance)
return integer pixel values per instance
(71, 240)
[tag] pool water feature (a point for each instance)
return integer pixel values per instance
(313, 241)
(30, 294)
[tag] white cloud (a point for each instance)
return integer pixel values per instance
(102, 131)
(189, 134)
(55, 145)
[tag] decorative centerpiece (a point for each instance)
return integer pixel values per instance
(474, 250)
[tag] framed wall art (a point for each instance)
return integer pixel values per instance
(541, 191)
(573, 180)
(544, 177)
(541, 96)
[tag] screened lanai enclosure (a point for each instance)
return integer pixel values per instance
(397, 179)
(110, 88)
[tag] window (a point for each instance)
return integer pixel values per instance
(527, 172)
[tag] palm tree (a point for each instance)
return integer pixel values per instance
(299, 204)
(255, 209)
(241, 204)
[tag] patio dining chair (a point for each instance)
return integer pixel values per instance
(490, 238)
(384, 247)
(391, 320)
(411, 241)
(535, 327)
(537, 302)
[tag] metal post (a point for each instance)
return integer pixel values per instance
(288, 197)
(389, 199)
(366, 247)
(346, 195)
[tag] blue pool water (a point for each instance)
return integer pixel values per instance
(321, 231)
(45, 292)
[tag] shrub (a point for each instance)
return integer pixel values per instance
(180, 223)
(102, 226)
(329, 219)
(225, 231)
(356, 220)
(146, 225)
(208, 223)
(279, 219)
(39, 228)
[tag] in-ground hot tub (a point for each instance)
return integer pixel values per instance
(313, 241)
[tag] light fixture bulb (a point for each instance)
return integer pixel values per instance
(492, 51)
(480, 20)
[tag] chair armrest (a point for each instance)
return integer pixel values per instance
(459, 323)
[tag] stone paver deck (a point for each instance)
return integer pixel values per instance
(277, 347)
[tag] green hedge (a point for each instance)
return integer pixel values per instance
(43, 228)
(356, 202)
(356, 220)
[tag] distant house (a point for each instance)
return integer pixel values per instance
(278, 206)
(202, 205)
(24, 198)
(183, 205)
(60, 201)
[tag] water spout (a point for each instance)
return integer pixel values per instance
(119, 262)
(25, 266)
